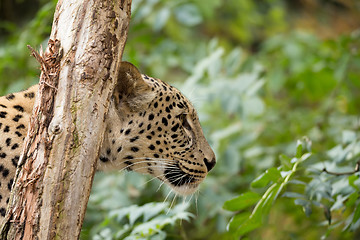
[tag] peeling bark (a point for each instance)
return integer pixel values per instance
(79, 69)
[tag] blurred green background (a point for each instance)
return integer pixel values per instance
(276, 85)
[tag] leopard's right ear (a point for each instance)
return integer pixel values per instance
(132, 90)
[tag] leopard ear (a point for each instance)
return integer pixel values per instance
(132, 89)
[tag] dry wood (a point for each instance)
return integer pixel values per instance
(60, 152)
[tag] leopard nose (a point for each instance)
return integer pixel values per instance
(209, 164)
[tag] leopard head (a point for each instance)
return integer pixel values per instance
(153, 128)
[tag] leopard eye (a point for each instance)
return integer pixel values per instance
(184, 121)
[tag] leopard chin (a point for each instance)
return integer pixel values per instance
(183, 190)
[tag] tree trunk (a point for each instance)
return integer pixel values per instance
(79, 73)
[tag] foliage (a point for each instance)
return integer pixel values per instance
(279, 178)
(17, 69)
(259, 84)
(334, 191)
(145, 222)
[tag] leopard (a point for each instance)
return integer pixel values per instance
(151, 128)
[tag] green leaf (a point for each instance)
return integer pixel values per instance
(251, 224)
(237, 220)
(327, 213)
(356, 214)
(285, 162)
(348, 136)
(293, 195)
(152, 209)
(342, 67)
(241, 202)
(352, 180)
(305, 156)
(339, 203)
(119, 213)
(134, 214)
(305, 204)
(188, 15)
(161, 18)
(269, 199)
(352, 199)
(298, 182)
(272, 174)
(261, 181)
(299, 149)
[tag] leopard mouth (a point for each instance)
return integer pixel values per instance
(182, 182)
(178, 178)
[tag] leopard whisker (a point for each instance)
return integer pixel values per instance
(156, 159)
(176, 177)
(162, 164)
(172, 203)
(168, 195)
(160, 185)
(155, 177)
(196, 201)
(150, 160)
(152, 166)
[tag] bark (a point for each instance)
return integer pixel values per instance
(60, 153)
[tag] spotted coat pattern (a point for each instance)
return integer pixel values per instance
(151, 128)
